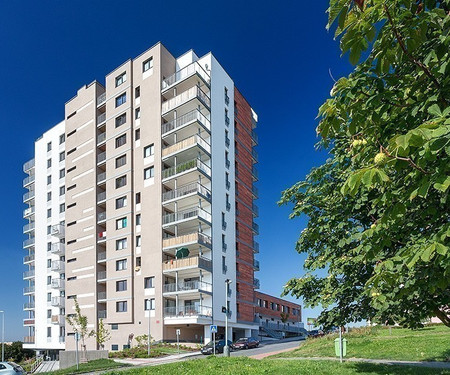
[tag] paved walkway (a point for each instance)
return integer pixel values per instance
(440, 365)
(47, 366)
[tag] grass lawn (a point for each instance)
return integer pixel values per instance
(157, 350)
(242, 365)
(428, 344)
(98, 364)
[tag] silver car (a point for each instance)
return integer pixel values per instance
(10, 368)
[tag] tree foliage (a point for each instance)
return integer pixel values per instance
(79, 323)
(379, 207)
(101, 334)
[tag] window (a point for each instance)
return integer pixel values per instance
(138, 241)
(149, 282)
(49, 280)
(62, 208)
(49, 212)
(138, 198)
(147, 64)
(121, 223)
(137, 113)
(149, 150)
(121, 181)
(121, 99)
(149, 173)
(62, 190)
(120, 120)
(137, 92)
(121, 161)
(114, 327)
(224, 223)
(49, 314)
(49, 146)
(121, 265)
(121, 306)
(137, 134)
(121, 202)
(49, 180)
(224, 266)
(121, 244)
(121, 285)
(149, 304)
(114, 346)
(49, 246)
(49, 297)
(121, 79)
(120, 141)
(138, 219)
(138, 261)
(62, 139)
(62, 156)
(49, 331)
(62, 173)
(49, 229)
(49, 196)
(49, 163)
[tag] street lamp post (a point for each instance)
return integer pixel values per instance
(3, 335)
(226, 348)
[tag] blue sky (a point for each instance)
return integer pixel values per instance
(279, 56)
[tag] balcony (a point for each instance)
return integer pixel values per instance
(58, 230)
(194, 286)
(28, 322)
(58, 302)
(254, 138)
(255, 192)
(101, 275)
(58, 283)
(187, 263)
(186, 96)
(101, 216)
(255, 228)
(256, 247)
(188, 166)
(255, 210)
(28, 212)
(188, 214)
(101, 137)
(101, 177)
(101, 196)
(254, 155)
(29, 289)
(101, 99)
(28, 274)
(28, 165)
(58, 319)
(62, 339)
(185, 144)
(187, 239)
(101, 119)
(185, 120)
(101, 256)
(101, 157)
(256, 264)
(27, 196)
(28, 227)
(101, 296)
(101, 314)
(101, 237)
(28, 259)
(28, 180)
(187, 190)
(187, 311)
(254, 173)
(58, 248)
(28, 340)
(184, 73)
(58, 266)
(28, 306)
(28, 242)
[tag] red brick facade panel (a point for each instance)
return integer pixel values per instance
(288, 307)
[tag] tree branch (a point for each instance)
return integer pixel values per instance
(409, 160)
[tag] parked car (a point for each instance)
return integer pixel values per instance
(246, 343)
(10, 368)
(208, 348)
(315, 333)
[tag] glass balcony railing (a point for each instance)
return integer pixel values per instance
(28, 211)
(101, 196)
(256, 247)
(101, 118)
(28, 180)
(29, 195)
(58, 248)
(28, 242)
(187, 311)
(101, 157)
(28, 274)
(28, 305)
(187, 71)
(185, 167)
(101, 216)
(256, 264)
(28, 227)
(28, 258)
(28, 165)
(185, 119)
(58, 266)
(187, 286)
(58, 301)
(58, 283)
(101, 314)
(194, 187)
(58, 230)
(29, 289)
(101, 99)
(255, 228)
(101, 137)
(190, 213)
(184, 97)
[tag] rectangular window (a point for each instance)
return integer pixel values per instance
(121, 161)
(121, 99)
(121, 244)
(121, 202)
(49, 229)
(49, 146)
(114, 327)
(49, 196)
(122, 119)
(49, 212)
(62, 173)
(137, 113)
(149, 150)
(49, 163)
(120, 141)
(138, 198)
(121, 265)
(138, 241)
(121, 285)
(147, 64)
(62, 190)
(121, 306)
(49, 280)
(137, 92)
(49, 180)
(121, 223)
(49, 331)
(149, 173)
(150, 304)
(121, 181)
(62, 156)
(49, 246)
(137, 135)
(62, 139)
(62, 208)
(49, 297)
(114, 346)
(138, 219)
(138, 261)
(49, 314)
(149, 282)
(121, 79)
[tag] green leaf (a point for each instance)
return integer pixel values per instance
(441, 249)
(443, 184)
(435, 110)
(428, 253)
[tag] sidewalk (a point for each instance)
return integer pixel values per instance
(438, 365)
(156, 361)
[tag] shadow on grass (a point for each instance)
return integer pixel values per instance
(371, 368)
(444, 356)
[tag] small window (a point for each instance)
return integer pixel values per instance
(120, 120)
(62, 139)
(121, 99)
(49, 314)
(138, 219)
(49, 246)
(120, 141)
(121, 244)
(121, 202)
(49, 196)
(121, 223)
(49, 180)
(137, 92)
(121, 265)
(137, 134)
(62, 190)
(147, 64)
(149, 304)
(114, 327)
(49, 297)
(49, 163)
(62, 173)
(121, 181)
(149, 173)
(121, 306)
(121, 285)
(62, 208)
(121, 79)
(49, 280)
(138, 198)
(137, 113)
(49, 229)
(121, 161)
(62, 156)
(49, 331)
(49, 212)
(149, 282)
(149, 150)
(138, 241)
(138, 261)
(49, 146)
(114, 346)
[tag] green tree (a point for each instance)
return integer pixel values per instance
(379, 208)
(101, 335)
(79, 324)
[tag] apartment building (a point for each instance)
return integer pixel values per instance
(159, 205)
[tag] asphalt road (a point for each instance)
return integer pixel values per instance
(267, 347)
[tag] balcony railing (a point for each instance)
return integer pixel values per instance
(187, 214)
(255, 191)
(101, 314)
(58, 301)
(194, 187)
(256, 264)
(254, 155)
(28, 258)
(28, 211)
(254, 137)
(28, 227)
(191, 69)
(28, 339)
(101, 137)
(195, 237)
(255, 172)
(28, 242)
(28, 165)
(28, 274)
(187, 286)
(191, 262)
(58, 248)
(256, 247)
(58, 230)
(101, 157)
(101, 118)
(29, 195)
(28, 322)
(185, 167)
(101, 256)
(29, 289)
(187, 311)
(58, 283)
(101, 177)
(58, 266)
(255, 209)
(58, 319)
(255, 228)
(101, 196)
(187, 118)
(101, 216)
(101, 295)
(185, 143)
(101, 99)
(184, 97)
(28, 180)
(28, 305)
(101, 275)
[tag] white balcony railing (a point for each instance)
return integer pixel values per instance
(58, 230)
(184, 97)
(58, 248)
(185, 119)
(28, 211)
(187, 311)
(187, 286)
(187, 71)
(190, 213)
(58, 266)
(185, 167)
(58, 301)
(194, 187)
(186, 143)
(58, 283)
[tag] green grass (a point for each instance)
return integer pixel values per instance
(242, 365)
(428, 344)
(157, 350)
(98, 364)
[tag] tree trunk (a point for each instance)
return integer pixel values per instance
(442, 315)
